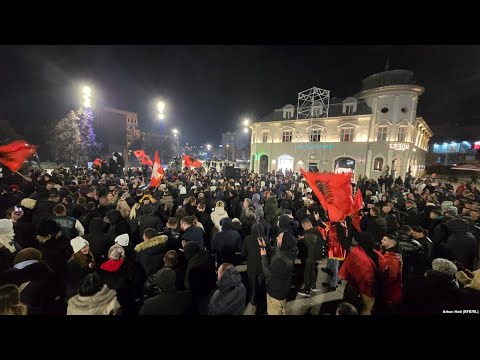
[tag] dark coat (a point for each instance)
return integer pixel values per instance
(118, 225)
(411, 216)
(226, 243)
(149, 221)
(278, 272)
(251, 250)
(44, 293)
(25, 233)
(270, 210)
(129, 282)
(99, 241)
(229, 298)
(150, 254)
(169, 303)
(461, 245)
(55, 252)
(74, 275)
(194, 234)
(377, 226)
(200, 276)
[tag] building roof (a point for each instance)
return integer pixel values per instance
(335, 109)
(388, 78)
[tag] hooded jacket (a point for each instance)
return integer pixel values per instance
(278, 272)
(229, 298)
(461, 245)
(150, 254)
(218, 214)
(103, 302)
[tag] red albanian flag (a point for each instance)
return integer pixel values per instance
(357, 206)
(190, 161)
(13, 155)
(334, 192)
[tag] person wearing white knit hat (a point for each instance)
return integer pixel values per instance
(80, 243)
(122, 240)
(7, 246)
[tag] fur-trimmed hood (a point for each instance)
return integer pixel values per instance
(43, 239)
(87, 303)
(157, 240)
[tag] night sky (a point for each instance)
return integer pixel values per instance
(209, 89)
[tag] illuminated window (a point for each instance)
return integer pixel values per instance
(347, 134)
(287, 136)
(264, 136)
(378, 164)
(348, 109)
(382, 133)
(402, 132)
(315, 135)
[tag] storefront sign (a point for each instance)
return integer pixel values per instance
(399, 146)
(314, 146)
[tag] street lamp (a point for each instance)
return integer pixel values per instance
(175, 133)
(161, 116)
(87, 94)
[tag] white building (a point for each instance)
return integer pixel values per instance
(374, 132)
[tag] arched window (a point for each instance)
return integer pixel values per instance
(378, 164)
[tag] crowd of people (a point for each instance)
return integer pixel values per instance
(99, 241)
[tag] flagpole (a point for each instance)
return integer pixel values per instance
(24, 177)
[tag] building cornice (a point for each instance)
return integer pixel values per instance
(419, 90)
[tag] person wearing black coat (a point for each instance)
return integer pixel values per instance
(148, 220)
(229, 298)
(251, 250)
(375, 224)
(278, 271)
(40, 289)
(200, 277)
(411, 214)
(169, 301)
(226, 243)
(99, 241)
(235, 207)
(126, 278)
(151, 251)
(461, 245)
(118, 225)
(191, 233)
(54, 246)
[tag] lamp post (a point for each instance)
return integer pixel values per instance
(161, 116)
(246, 122)
(175, 133)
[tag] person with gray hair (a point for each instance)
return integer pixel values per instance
(436, 292)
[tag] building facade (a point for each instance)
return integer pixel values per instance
(376, 131)
(235, 145)
(116, 130)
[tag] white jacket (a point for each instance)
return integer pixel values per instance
(218, 214)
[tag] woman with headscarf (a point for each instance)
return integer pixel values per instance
(359, 270)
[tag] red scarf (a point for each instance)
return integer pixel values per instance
(112, 265)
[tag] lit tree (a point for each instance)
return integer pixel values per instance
(74, 138)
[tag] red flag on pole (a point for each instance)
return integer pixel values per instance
(334, 192)
(98, 162)
(142, 157)
(157, 172)
(190, 161)
(358, 200)
(13, 155)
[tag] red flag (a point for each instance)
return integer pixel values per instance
(13, 155)
(143, 158)
(157, 172)
(147, 161)
(98, 162)
(358, 200)
(334, 192)
(139, 154)
(356, 220)
(190, 161)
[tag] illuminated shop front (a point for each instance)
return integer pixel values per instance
(375, 132)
